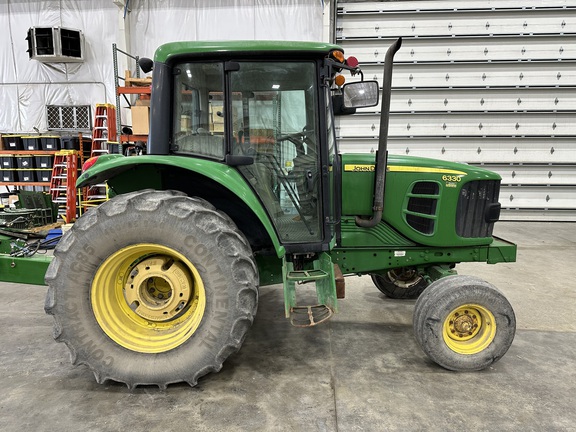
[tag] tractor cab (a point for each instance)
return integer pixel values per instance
(255, 119)
(266, 122)
(272, 119)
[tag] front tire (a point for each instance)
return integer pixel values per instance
(464, 323)
(152, 287)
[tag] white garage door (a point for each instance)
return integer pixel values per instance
(489, 83)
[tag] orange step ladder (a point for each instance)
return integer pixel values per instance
(104, 130)
(63, 183)
(103, 133)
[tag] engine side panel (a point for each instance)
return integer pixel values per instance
(430, 202)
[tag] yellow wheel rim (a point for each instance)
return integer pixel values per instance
(469, 329)
(148, 298)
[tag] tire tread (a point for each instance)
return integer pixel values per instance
(205, 216)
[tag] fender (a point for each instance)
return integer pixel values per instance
(107, 167)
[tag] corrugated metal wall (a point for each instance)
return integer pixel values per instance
(489, 83)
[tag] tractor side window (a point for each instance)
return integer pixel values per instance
(199, 106)
(274, 120)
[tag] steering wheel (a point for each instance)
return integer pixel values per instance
(298, 139)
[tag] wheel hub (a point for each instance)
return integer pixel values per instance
(404, 278)
(464, 324)
(158, 289)
(469, 329)
(148, 298)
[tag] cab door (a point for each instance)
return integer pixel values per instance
(274, 110)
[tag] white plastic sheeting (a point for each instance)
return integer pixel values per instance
(172, 20)
(27, 86)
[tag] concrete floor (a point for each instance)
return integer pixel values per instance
(362, 371)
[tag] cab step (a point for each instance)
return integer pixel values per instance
(322, 275)
(306, 275)
(309, 316)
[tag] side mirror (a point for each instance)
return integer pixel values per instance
(338, 106)
(145, 64)
(361, 94)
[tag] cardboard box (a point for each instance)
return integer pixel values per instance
(140, 120)
(142, 102)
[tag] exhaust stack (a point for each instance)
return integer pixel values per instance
(382, 153)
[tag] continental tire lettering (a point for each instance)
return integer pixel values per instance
(72, 277)
(209, 340)
(79, 267)
(89, 250)
(71, 308)
(189, 241)
(201, 250)
(91, 350)
(82, 335)
(220, 281)
(221, 303)
(81, 257)
(220, 316)
(73, 315)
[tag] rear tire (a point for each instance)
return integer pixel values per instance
(464, 323)
(402, 283)
(152, 287)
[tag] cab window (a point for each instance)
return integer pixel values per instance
(198, 127)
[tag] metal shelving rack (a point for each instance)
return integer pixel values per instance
(123, 91)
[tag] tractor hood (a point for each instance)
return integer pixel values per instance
(431, 202)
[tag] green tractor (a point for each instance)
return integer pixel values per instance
(243, 186)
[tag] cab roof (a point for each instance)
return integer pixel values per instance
(244, 47)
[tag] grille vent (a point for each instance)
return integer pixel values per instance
(422, 205)
(69, 117)
(477, 208)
